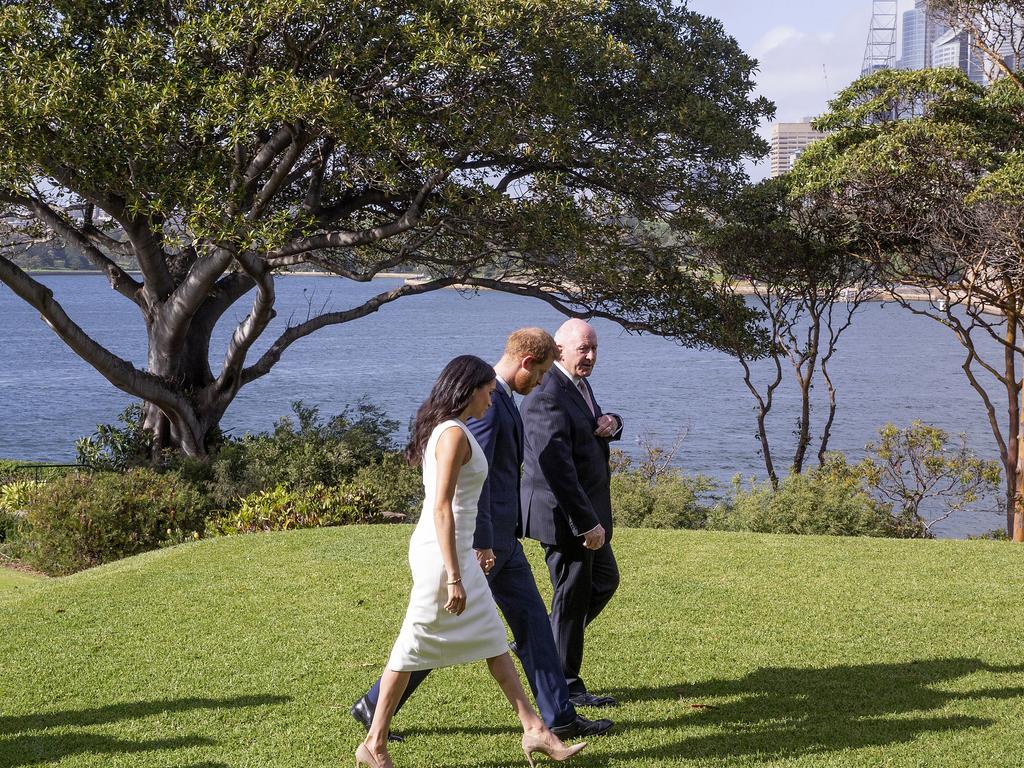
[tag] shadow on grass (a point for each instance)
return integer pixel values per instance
(18, 746)
(782, 712)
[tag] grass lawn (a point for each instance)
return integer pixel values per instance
(12, 580)
(725, 650)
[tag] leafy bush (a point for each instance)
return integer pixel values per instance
(14, 497)
(919, 472)
(117, 448)
(667, 500)
(281, 509)
(8, 470)
(299, 453)
(825, 501)
(397, 486)
(82, 520)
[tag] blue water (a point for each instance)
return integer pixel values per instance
(891, 366)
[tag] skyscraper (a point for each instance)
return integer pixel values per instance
(920, 31)
(954, 49)
(788, 142)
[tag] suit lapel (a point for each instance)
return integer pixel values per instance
(513, 413)
(575, 397)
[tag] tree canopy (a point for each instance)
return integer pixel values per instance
(524, 145)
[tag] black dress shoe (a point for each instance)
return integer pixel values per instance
(581, 727)
(590, 700)
(363, 715)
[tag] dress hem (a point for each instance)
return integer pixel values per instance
(447, 662)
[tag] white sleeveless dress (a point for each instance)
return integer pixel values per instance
(432, 637)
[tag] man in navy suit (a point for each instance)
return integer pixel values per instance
(529, 354)
(566, 497)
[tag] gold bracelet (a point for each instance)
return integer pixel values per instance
(450, 583)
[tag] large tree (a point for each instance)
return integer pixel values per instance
(937, 201)
(510, 144)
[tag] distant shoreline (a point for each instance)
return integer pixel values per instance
(743, 288)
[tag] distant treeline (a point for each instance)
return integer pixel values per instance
(46, 257)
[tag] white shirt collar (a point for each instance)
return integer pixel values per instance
(504, 384)
(574, 379)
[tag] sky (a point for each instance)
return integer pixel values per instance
(806, 49)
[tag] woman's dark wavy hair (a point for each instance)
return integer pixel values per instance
(449, 397)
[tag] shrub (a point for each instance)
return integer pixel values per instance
(117, 448)
(668, 500)
(8, 470)
(281, 509)
(397, 486)
(82, 520)
(14, 498)
(830, 501)
(301, 452)
(919, 470)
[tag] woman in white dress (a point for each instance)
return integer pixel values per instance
(452, 618)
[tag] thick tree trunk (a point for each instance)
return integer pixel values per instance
(184, 363)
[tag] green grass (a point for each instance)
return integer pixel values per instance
(725, 650)
(11, 580)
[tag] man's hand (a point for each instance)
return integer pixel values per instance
(594, 538)
(486, 559)
(606, 426)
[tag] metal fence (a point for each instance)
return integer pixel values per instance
(42, 472)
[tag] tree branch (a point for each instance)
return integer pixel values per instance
(270, 358)
(119, 280)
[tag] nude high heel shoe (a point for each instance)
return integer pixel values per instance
(365, 757)
(533, 744)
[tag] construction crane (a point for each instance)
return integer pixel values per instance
(880, 51)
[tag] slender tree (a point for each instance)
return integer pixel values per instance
(791, 256)
(510, 145)
(996, 31)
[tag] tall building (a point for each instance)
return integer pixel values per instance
(788, 142)
(954, 49)
(927, 42)
(920, 31)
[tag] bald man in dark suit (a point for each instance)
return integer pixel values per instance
(566, 497)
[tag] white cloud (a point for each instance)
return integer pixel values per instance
(801, 71)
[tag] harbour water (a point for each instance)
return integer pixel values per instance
(891, 366)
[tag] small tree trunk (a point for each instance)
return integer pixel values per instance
(1014, 467)
(805, 381)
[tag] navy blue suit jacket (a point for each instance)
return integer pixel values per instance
(566, 477)
(500, 434)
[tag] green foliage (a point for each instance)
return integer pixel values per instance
(824, 501)
(117, 448)
(14, 496)
(916, 466)
(302, 451)
(650, 494)
(14, 501)
(397, 486)
(8, 470)
(314, 506)
(82, 520)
